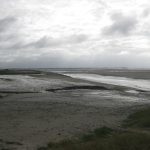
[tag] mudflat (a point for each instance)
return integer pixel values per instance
(40, 107)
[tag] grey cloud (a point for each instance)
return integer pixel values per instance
(8, 32)
(122, 25)
(146, 12)
(44, 42)
(77, 38)
(6, 22)
(27, 34)
(55, 42)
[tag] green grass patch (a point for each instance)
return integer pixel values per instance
(74, 144)
(102, 132)
(139, 119)
(126, 141)
(97, 133)
(108, 139)
(60, 144)
(88, 137)
(117, 141)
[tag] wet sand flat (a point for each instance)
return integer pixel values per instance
(30, 120)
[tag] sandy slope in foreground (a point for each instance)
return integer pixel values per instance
(33, 119)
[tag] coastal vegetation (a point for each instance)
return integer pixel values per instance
(133, 135)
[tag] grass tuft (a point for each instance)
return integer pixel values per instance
(102, 132)
(87, 137)
(42, 148)
(117, 140)
(139, 119)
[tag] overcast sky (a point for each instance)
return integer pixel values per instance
(75, 33)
